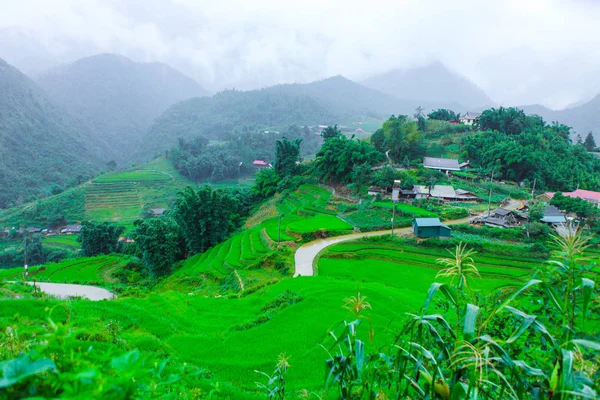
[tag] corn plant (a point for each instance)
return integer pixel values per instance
(275, 386)
(494, 347)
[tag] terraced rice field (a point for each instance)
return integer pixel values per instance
(88, 270)
(122, 196)
(394, 264)
(305, 210)
(240, 251)
(115, 201)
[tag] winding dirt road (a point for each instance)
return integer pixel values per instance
(306, 254)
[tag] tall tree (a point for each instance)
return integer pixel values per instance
(159, 242)
(287, 155)
(206, 217)
(402, 138)
(589, 143)
(509, 120)
(443, 114)
(337, 157)
(330, 132)
(99, 238)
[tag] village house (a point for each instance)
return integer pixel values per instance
(587, 195)
(157, 211)
(71, 229)
(441, 192)
(430, 227)
(31, 229)
(501, 218)
(470, 118)
(375, 190)
(441, 164)
(553, 216)
(261, 164)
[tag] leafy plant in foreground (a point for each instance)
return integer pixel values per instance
(497, 347)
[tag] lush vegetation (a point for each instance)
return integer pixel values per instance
(200, 160)
(521, 147)
(203, 274)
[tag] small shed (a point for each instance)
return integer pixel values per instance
(430, 227)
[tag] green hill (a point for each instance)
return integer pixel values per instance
(120, 197)
(335, 100)
(118, 98)
(41, 146)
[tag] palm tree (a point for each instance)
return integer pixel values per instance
(330, 132)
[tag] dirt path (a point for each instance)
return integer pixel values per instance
(306, 254)
(63, 290)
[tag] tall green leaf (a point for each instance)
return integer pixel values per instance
(470, 321)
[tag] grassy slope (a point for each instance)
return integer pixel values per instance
(303, 211)
(85, 270)
(198, 329)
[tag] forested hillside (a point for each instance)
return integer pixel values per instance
(583, 118)
(328, 101)
(118, 98)
(434, 84)
(218, 116)
(41, 147)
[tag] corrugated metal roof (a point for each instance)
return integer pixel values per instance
(554, 219)
(423, 222)
(441, 163)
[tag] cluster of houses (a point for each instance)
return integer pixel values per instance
(67, 230)
(506, 218)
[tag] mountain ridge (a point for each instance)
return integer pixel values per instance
(41, 145)
(430, 83)
(117, 98)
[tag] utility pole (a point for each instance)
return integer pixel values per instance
(393, 216)
(279, 229)
(490, 197)
(533, 190)
(25, 257)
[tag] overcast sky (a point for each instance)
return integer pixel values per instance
(518, 51)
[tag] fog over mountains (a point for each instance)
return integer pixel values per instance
(552, 59)
(116, 98)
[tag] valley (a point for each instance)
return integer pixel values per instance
(328, 240)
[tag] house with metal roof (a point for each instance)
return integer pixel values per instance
(587, 195)
(441, 164)
(430, 227)
(70, 229)
(553, 216)
(470, 118)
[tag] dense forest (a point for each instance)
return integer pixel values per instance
(42, 148)
(200, 160)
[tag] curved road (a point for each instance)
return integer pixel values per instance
(63, 290)
(306, 254)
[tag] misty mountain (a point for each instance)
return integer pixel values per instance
(328, 101)
(583, 118)
(40, 144)
(220, 116)
(118, 98)
(431, 84)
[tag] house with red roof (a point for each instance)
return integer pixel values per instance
(260, 164)
(588, 195)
